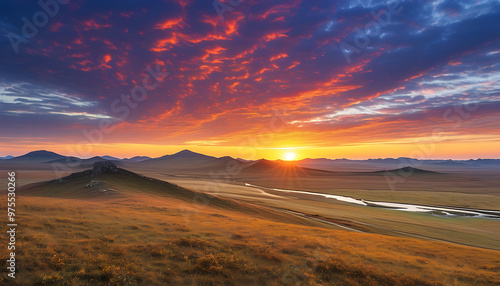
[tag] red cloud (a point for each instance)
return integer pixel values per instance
(170, 23)
(282, 55)
(232, 24)
(275, 35)
(126, 14)
(56, 27)
(210, 20)
(168, 43)
(92, 24)
(165, 44)
(283, 8)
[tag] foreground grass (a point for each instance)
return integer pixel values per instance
(141, 240)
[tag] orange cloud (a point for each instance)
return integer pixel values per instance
(198, 39)
(245, 76)
(170, 23)
(120, 76)
(282, 55)
(263, 70)
(232, 24)
(275, 35)
(110, 45)
(233, 86)
(294, 64)
(168, 43)
(215, 50)
(283, 8)
(85, 62)
(210, 20)
(247, 52)
(414, 77)
(165, 44)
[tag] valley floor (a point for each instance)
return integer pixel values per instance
(469, 231)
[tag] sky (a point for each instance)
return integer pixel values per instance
(251, 79)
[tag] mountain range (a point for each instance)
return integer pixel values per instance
(192, 161)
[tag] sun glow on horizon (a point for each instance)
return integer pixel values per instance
(290, 156)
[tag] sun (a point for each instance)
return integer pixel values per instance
(290, 156)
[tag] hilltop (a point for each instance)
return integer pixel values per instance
(408, 171)
(37, 156)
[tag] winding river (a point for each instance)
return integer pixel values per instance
(434, 210)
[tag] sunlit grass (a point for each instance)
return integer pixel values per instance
(151, 241)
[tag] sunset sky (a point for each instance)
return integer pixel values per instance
(335, 79)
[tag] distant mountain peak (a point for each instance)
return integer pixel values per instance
(264, 163)
(137, 159)
(410, 170)
(107, 157)
(39, 155)
(187, 153)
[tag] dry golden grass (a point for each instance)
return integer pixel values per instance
(148, 240)
(462, 230)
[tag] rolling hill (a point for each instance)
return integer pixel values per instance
(110, 158)
(282, 168)
(136, 159)
(36, 160)
(408, 171)
(40, 156)
(184, 159)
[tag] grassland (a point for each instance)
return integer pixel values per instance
(143, 240)
(462, 230)
(141, 231)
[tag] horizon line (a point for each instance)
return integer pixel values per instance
(366, 159)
